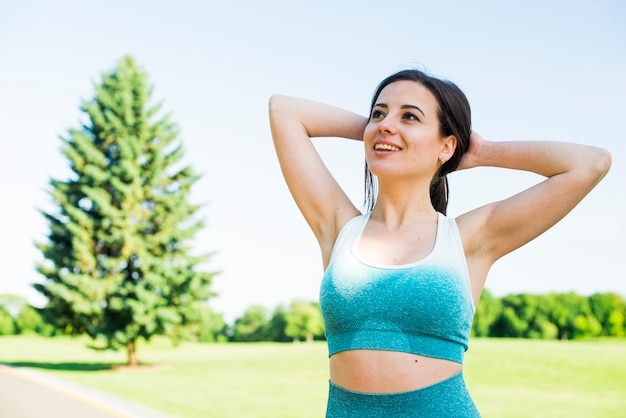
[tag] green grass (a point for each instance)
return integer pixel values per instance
(507, 378)
(531, 378)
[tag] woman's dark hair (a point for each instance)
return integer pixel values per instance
(454, 117)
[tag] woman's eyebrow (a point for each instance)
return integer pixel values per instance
(406, 106)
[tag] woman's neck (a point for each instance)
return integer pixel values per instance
(400, 205)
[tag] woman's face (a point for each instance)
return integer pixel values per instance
(402, 137)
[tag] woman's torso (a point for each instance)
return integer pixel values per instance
(406, 355)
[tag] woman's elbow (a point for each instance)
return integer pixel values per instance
(276, 101)
(595, 166)
(603, 162)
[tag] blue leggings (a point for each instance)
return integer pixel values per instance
(448, 398)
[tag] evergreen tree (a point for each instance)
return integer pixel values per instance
(117, 262)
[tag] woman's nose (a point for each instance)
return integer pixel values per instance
(387, 125)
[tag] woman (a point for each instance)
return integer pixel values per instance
(402, 280)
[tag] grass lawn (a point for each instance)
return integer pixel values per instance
(533, 378)
(507, 378)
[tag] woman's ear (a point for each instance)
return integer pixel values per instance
(447, 149)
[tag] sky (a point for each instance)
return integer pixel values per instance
(532, 70)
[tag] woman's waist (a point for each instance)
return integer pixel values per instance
(432, 345)
(382, 371)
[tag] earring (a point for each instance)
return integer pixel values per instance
(442, 160)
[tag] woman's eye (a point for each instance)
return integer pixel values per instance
(411, 116)
(377, 114)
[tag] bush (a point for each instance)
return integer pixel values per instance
(7, 323)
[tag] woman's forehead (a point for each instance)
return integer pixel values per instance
(405, 92)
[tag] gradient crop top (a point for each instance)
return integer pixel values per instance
(424, 307)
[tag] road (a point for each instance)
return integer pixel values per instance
(29, 394)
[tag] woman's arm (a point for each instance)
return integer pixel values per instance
(572, 171)
(321, 200)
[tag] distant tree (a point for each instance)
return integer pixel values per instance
(7, 323)
(566, 311)
(543, 329)
(25, 318)
(118, 263)
(212, 327)
(616, 324)
(508, 324)
(584, 326)
(251, 326)
(609, 309)
(277, 324)
(539, 325)
(304, 321)
(29, 321)
(487, 310)
(513, 318)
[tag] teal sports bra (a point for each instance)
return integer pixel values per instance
(424, 307)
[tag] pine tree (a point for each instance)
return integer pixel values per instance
(117, 259)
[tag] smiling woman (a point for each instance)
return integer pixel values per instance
(443, 101)
(402, 280)
(408, 134)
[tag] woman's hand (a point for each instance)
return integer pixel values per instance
(470, 158)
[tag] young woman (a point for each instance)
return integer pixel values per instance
(402, 280)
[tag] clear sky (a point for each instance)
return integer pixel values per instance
(531, 70)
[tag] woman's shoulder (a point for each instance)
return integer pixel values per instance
(343, 224)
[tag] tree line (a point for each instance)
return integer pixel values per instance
(300, 320)
(550, 316)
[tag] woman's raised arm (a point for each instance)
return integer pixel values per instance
(319, 197)
(572, 171)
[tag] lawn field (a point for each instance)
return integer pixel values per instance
(507, 378)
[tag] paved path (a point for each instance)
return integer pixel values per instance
(29, 394)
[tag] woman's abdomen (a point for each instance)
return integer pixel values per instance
(380, 371)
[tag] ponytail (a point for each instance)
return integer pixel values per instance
(370, 190)
(439, 193)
